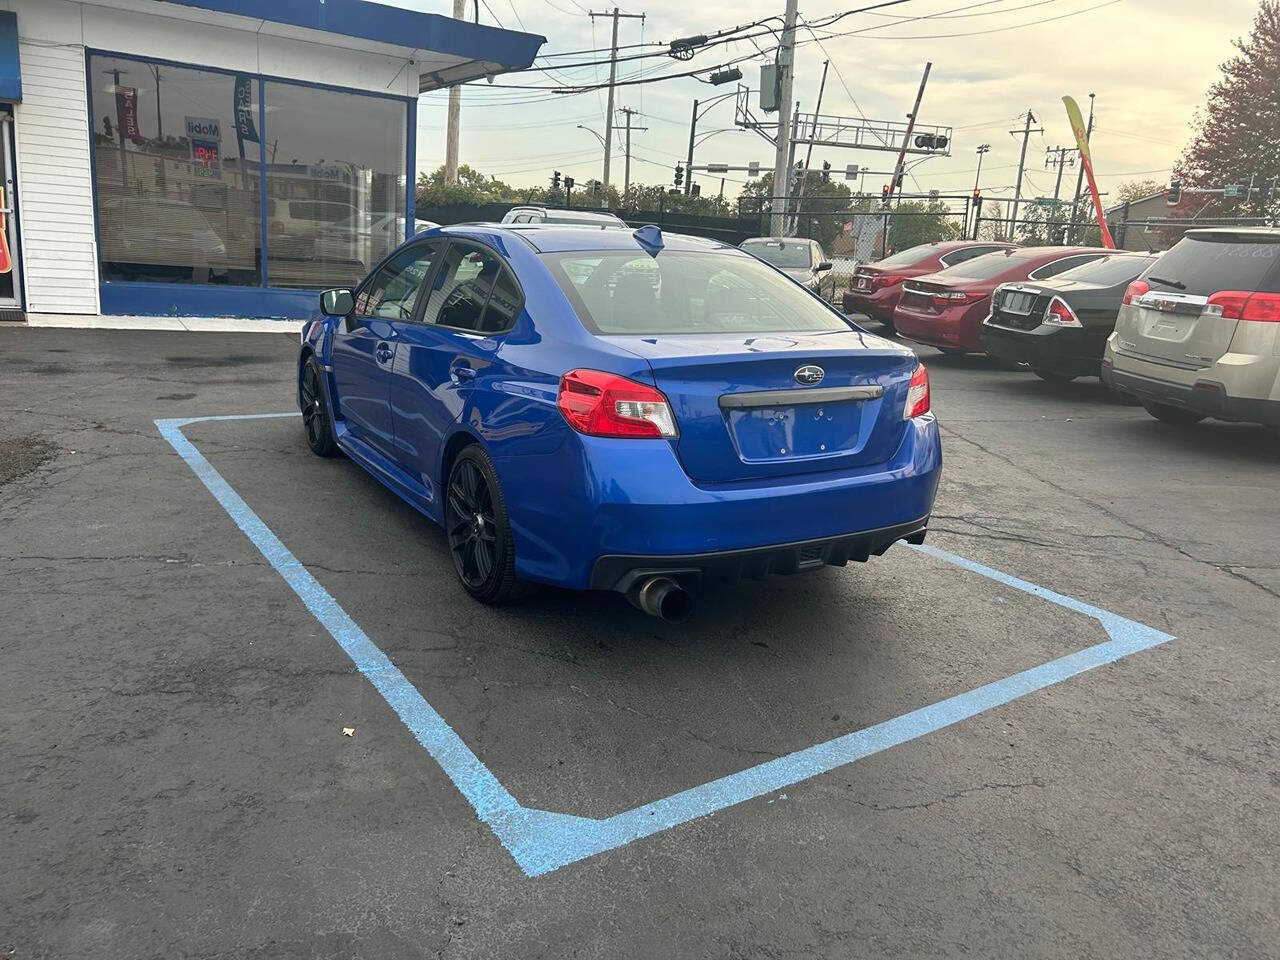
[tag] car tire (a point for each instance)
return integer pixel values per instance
(478, 530)
(316, 421)
(1048, 376)
(1176, 416)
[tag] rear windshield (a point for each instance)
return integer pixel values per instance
(984, 267)
(1106, 271)
(1202, 267)
(781, 253)
(626, 292)
(906, 258)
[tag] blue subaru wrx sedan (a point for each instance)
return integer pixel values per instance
(618, 410)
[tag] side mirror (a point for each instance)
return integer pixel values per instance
(337, 303)
(824, 265)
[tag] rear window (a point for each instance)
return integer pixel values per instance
(625, 292)
(1106, 271)
(906, 258)
(1205, 266)
(984, 267)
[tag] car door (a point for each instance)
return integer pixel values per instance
(364, 343)
(446, 348)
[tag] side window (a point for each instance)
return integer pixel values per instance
(1061, 266)
(968, 253)
(468, 277)
(393, 291)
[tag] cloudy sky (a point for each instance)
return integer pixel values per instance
(1148, 61)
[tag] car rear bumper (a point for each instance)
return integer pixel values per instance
(632, 499)
(878, 305)
(1206, 395)
(621, 572)
(1065, 350)
(953, 329)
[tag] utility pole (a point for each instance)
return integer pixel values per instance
(1057, 156)
(627, 112)
(1022, 162)
(786, 83)
(1075, 200)
(613, 78)
(899, 168)
(455, 114)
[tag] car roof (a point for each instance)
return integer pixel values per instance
(562, 238)
(1243, 234)
(775, 240)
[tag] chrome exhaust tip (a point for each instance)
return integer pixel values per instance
(662, 597)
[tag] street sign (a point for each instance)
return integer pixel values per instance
(1048, 202)
(753, 168)
(717, 168)
(851, 172)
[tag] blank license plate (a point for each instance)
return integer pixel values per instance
(1018, 302)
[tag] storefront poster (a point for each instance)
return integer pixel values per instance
(245, 129)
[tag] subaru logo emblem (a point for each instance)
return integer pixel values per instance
(809, 374)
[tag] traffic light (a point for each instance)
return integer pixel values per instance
(898, 180)
(1174, 196)
(931, 141)
(679, 175)
(725, 76)
(555, 179)
(977, 193)
(568, 183)
(884, 192)
(826, 170)
(696, 190)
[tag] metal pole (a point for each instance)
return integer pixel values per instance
(790, 227)
(608, 116)
(1075, 200)
(982, 150)
(812, 136)
(786, 78)
(688, 171)
(1057, 186)
(900, 166)
(454, 117)
(626, 174)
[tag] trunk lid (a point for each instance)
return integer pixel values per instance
(743, 413)
(1176, 330)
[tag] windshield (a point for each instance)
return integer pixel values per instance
(1203, 266)
(781, 253)
(625, 292)
(1106, 271)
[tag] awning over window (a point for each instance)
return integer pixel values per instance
(445, 51)
(10, 69)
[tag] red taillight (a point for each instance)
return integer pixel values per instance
(917, 394)
(952, 298)
(885, 280)
(1061, 315)
(1243, 305)
(603, 404)
(1135, 290)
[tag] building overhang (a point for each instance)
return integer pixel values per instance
(444, 52)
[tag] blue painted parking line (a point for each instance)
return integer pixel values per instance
(540, 840)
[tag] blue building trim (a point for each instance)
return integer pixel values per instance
(410, 165)
(206, 300)
(10, 65)
(509, 49)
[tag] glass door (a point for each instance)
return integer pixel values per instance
(10, 285)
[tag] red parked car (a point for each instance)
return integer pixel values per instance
(946, 309)
(874, 289)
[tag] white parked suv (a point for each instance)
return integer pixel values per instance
(1198, 333)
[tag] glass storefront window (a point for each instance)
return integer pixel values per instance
(178, 185)
(336, 184)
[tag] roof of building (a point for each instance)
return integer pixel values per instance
(443, 51)
(1120, 206)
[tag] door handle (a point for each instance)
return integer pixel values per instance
(460, 370)
(383, 352)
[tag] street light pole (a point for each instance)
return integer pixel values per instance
(786, 81)
(688, 167)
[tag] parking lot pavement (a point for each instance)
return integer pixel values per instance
(177, 782)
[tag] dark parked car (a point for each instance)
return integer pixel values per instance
(1059, 327)
(946, 309)
(875, 289)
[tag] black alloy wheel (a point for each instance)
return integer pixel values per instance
(478, 530)
(315, 412)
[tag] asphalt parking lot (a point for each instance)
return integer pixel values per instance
(177, 783)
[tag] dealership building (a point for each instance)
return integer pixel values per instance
(214, 157)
